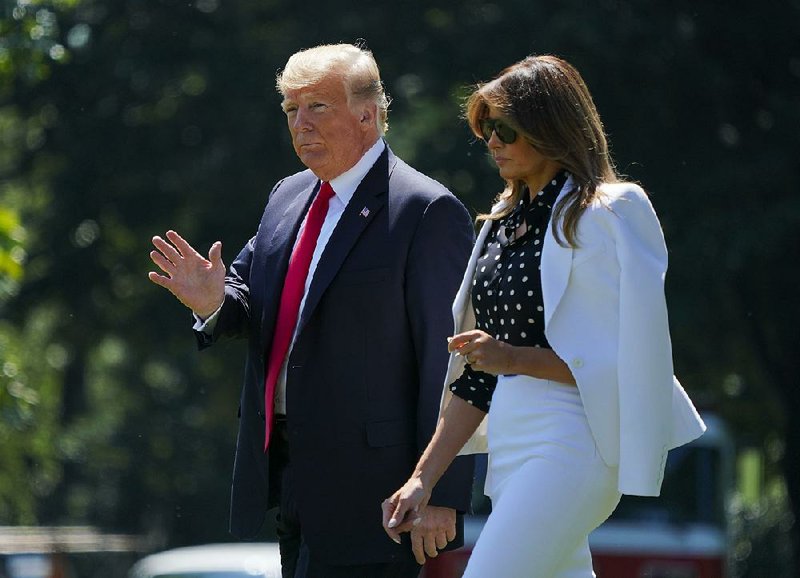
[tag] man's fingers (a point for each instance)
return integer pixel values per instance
(430, 545)
(163, 263)
(441, 541)
(167, 250)
(417, 547)
(182, 245)
(159, 279)
(450, 533)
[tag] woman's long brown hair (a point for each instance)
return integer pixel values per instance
(547, 101)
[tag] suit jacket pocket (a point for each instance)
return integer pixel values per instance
(389, 433)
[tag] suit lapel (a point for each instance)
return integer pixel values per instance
(367, 201)
(273, 261)
(556, 265)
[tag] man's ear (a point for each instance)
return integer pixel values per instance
(367, 114)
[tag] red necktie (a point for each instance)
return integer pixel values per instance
(292, 294)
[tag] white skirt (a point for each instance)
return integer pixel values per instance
(548, 484)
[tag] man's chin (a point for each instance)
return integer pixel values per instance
(312, 159)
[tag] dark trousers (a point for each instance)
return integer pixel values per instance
(297, 561)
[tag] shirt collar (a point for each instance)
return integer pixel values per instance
(549, 193)
(345, 185)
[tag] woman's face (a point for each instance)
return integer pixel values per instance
(518, 160)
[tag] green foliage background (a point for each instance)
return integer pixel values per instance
(122, 118)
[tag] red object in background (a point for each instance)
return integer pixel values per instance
(446, 564)
(631, 565)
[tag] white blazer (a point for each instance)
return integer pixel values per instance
(606, 317)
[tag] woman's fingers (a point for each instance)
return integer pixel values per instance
(457, 341)
(398, 518)
(461, 342)
(389, 520)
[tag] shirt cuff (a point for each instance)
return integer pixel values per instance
(207, 325)
(475, 387)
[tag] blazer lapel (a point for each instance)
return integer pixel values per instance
(272, 262)
(462, 300)
(368, 200)
(555, 266)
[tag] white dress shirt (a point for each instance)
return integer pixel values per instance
(344, 186)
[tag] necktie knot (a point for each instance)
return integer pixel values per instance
(325, 192)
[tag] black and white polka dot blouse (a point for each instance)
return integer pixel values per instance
(507, 289)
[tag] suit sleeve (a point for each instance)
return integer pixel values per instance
(233, 319)
(644, 364)
(437, 259)
(233, 316)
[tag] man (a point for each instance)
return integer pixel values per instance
(344, 295)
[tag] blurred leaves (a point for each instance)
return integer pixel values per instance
(28, 417)
(120, 119)
(12, 252)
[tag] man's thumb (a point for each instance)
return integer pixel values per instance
(215, 253)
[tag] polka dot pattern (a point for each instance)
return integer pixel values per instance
(507, 289)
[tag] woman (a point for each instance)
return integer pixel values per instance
(561, 337)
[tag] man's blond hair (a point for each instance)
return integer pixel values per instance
(356, 66)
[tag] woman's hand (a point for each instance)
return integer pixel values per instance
(483, 352)
(403, 510)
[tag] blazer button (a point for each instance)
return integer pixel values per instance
(577, 362)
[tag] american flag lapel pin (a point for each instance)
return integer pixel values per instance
(364, 212)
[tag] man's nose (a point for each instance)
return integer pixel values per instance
(301, 120)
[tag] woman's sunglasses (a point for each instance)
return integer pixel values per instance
(504, 132)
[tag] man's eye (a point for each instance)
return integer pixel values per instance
(319, 106)
(290, 110)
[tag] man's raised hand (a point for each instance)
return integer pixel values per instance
(197, 282)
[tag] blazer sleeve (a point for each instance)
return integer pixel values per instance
(645, 369)
(233, 317)
(436, 263)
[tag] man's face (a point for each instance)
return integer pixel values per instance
(327, 135)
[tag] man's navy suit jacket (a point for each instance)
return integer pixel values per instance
(365, 374)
